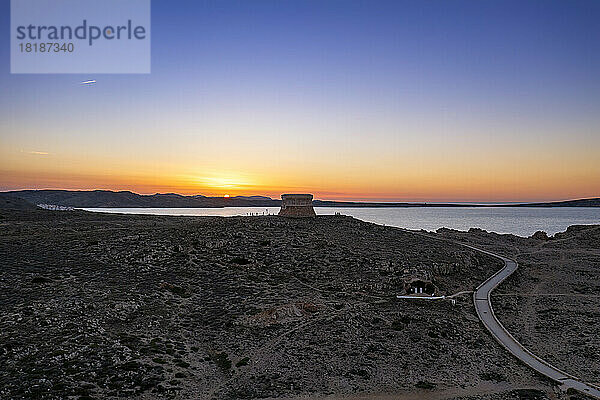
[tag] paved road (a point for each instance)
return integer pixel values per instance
(484, 309)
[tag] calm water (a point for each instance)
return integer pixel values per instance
(516, 220)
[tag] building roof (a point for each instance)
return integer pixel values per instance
(297, 195)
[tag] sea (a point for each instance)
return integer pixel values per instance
(521, 221)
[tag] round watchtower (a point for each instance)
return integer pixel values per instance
(297, 205)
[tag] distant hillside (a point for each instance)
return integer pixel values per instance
(595, 202)
(8, 202)
(568, 203)
(125, 199)
(107, 198)
(352, 204)
(251, 198)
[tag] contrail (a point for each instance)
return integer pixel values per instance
(90, 82)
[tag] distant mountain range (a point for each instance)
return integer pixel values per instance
(568, 203)
(8, 202)
(126, 199)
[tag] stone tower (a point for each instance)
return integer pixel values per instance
(297, 205)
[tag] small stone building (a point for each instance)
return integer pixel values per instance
(418, 282)
(297, 205)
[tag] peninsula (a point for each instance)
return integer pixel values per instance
(127, 199)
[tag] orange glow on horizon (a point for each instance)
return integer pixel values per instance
(441, 176)
(498, 190)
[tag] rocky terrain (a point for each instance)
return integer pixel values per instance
(551, 304)
(107, 306)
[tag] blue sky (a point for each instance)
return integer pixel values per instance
(433, 100)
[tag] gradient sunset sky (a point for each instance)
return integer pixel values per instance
(400, 100)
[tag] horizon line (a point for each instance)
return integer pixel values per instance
(338, 199)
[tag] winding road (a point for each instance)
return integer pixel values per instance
(483, 305)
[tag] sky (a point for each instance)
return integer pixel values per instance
(363, 100)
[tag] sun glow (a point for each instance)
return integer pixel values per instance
(224, 182)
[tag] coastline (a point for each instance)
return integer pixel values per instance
(108, 199)
(499, 220)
